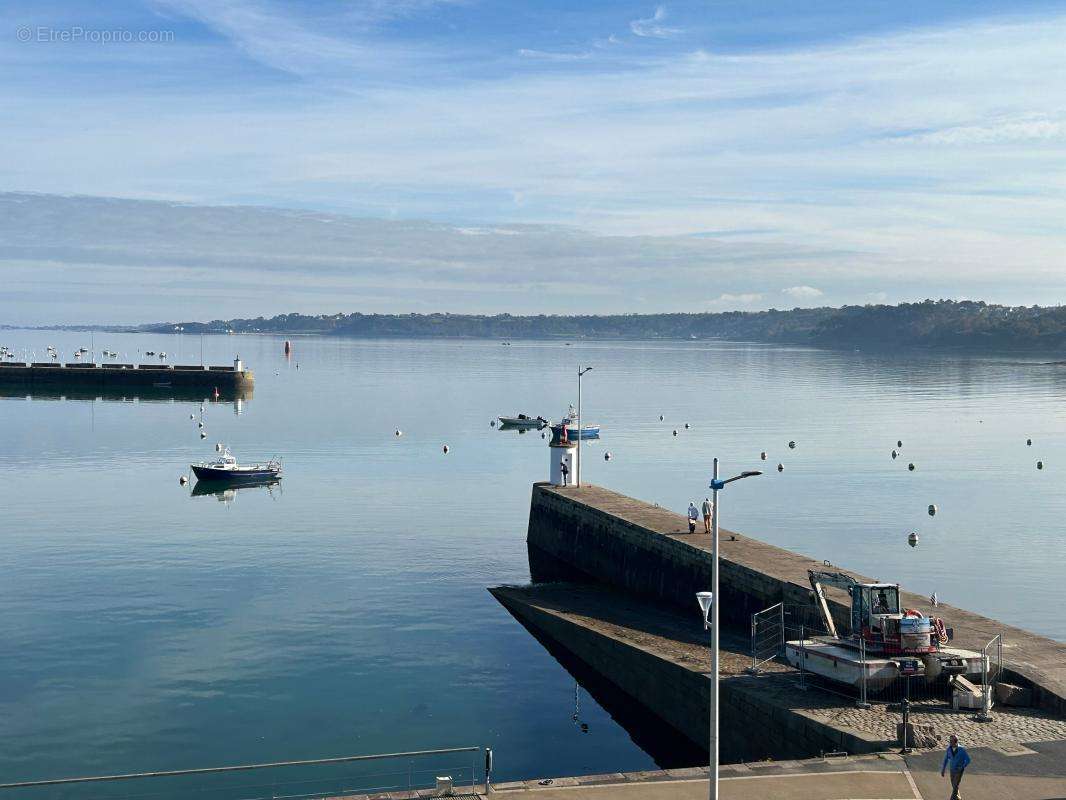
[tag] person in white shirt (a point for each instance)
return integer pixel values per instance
(693, 515)
(708, 510)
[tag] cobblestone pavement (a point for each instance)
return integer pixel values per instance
(1007, 725)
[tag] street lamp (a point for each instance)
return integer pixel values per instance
(711, 599)
(580, 433)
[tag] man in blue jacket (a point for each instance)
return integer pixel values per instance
(956, 759)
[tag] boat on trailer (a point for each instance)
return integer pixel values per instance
(885, 641)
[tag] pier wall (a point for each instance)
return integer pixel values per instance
(756, 720)
(572, 540)
(594, 535)
(114, 376)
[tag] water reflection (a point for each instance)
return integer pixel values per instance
(226, 491)
(153, 394)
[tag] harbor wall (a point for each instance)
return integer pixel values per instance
(592, 534)
(226, 379)
(755, 723)
(572, 540)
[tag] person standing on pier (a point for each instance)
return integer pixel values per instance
(956, 759)
(693, 515)
(565, 470)
(708, 510)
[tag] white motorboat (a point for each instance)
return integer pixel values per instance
(522, 421)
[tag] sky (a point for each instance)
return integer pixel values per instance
(606, 157)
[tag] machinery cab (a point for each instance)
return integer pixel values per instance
(872, 605)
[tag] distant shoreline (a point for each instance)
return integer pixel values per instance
(932, 325)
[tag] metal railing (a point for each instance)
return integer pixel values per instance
(991, 669)
(364, 779)
(767, 636)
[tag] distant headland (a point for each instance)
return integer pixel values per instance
(932, 324)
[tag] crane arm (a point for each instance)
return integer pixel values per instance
(837, 579)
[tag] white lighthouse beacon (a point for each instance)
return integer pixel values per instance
(562, 468)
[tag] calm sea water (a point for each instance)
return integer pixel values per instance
(346, 612)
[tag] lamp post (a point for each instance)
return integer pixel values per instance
(711, 599)
(580, 434)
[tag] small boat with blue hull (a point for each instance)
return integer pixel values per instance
(226, 468)
(569, 423)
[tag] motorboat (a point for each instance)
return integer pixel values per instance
(567, 428)
(522, 421)
(226, 468)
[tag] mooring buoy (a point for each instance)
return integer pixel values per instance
(911, 466)
(675, 431)
(607, 456)
(912, 540)
(780, 467)
(791, 445)
(687, 426)
(894, 454)
(899, 443)
(1028, 442)
(932, 510)
(183, 480)
(398, 432)
(1039, 464)
(762, 455)
(445, 449)
(203, 435)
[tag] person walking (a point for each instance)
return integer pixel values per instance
(956, 759)
(708, 509)
(565, 470)
(693, 515)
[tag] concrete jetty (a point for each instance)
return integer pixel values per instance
(231, 381)
(591, 534)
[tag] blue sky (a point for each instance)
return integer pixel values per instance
(881, 150)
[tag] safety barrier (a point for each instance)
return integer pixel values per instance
(293, 780)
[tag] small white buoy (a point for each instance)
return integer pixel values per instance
(687, 426)
(203, 435)
(1028, 442)
(445, 449)
(399, 432)
(199, 424)
(932, 510)
(675, 431)
(192, 416)
(183, 480)
(791, 445)
(762, 455)
(899, 443)
(894, 454)
(911, 466)
(607, 456)
(1039, 464)
(912, 540)
(492, 424)
(780, 467)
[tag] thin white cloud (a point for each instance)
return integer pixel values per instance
(802, 292)
(652, 26)
(546, 55)
(733, 301)
(1032, 128)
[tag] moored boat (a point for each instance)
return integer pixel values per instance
(523, 421)
(226, 468)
